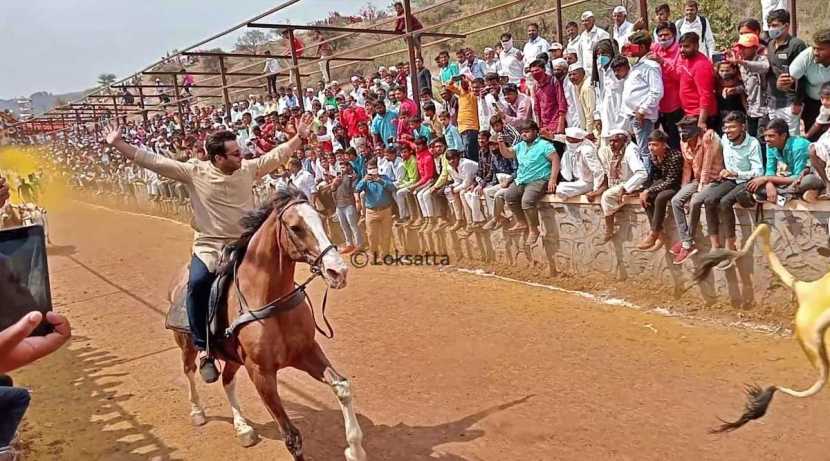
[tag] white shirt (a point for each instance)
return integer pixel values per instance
(534, 48)
(393, 170)
(272, 66)
(642, 90)
(575, 162)
(707, 43)
(587, 42)
(632, 175)
(622, 32)
(486, 110)
(465, 175)
(493, 67)
(304, 181)
(609, 102)
(511, 65)
(359, 95)
(574, 115)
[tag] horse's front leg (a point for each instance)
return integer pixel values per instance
(246, 434)
(316, 364)
(265, 381)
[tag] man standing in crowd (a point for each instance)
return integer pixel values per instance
(468, 125)
(510, 60)
(666, 52)
(621, 28)
(537, 174)
(781, 52)
(811, 68)
(518, 107)
(693, 22)
(591, 35)
(642, 91)
(697, 83)
(586, 98)
(754, 69)
(550, 106)
(535, 45)
(378, 202)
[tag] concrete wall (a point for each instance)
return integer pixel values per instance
(570, 244)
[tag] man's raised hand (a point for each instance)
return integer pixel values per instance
(112, 133)
(304, 125)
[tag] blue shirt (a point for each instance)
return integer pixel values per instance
(534, 164)
(796, 156)
(378, 192)
(453, 138)
(385, 126)
(449, 72)
(359, 166)
(423, 132)
(743, 159)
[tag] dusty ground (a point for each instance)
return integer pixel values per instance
(445, 365)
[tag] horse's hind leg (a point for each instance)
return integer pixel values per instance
(265, 382)
(189, 353)
(244, 432)
(316, 364)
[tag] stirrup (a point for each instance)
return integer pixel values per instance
(208, 370)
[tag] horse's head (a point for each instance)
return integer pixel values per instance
(304, 239)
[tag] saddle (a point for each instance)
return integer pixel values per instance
(177, 319)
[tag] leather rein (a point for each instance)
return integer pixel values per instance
(287, 301)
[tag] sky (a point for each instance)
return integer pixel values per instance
(62, 46)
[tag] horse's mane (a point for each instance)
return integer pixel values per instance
(251, 223)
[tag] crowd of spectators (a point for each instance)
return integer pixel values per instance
(659, 116)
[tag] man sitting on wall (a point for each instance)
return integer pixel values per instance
(624, 175)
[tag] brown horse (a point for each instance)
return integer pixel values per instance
(286, 231)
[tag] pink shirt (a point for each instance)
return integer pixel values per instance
(671, 80)
(697, 85)
(407, 109)
(551, 105)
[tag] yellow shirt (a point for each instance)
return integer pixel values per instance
(467, 108)
(219, 200)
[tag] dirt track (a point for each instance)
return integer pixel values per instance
(445, 366)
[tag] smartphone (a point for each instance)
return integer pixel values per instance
(456, 78)
(24, 276)
(718, 57)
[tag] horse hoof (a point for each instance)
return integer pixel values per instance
(198, 419)
(355, 455)
(248, 438)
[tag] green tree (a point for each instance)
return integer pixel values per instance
(251, 40)
(106, 79)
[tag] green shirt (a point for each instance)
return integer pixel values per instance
(410, 173)
(796, 156)
(534, 161)
(442, 165)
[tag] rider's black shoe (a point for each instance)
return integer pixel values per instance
(208, 370)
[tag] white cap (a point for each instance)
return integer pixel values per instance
(488, 49)
(355, 78)
(616, 132)
(334, 83)
(559, 62)
(575, 66)
(620, 9)
(587, 14)
(555, 46)
(575, 132)
(393, 69)
(381, 68)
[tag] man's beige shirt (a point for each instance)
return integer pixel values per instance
(219, 200)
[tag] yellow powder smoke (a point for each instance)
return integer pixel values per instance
(17, 164)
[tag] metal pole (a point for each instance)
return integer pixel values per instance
(794, 16)
(410, 44)
(644, 12)
(143, 108)
(560, 32)
(295, 70)
(178, 103)
(115, 106)
(225, 95)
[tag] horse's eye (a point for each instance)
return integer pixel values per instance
(296, 229)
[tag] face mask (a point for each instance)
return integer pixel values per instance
(727, 75)
(632, 60)
(824, 115)
(571, 145)
(538, 76)
(507, 45)
(776, 32)
(688, 133)
(603, 60)
(666, 43)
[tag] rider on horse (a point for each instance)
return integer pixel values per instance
(221, 191)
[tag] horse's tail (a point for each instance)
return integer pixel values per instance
(758, 400)
(716, 257)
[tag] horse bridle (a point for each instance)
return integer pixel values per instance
(291, 299)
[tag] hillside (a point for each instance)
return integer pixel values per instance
(42, 101)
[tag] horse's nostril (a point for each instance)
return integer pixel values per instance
(333, 274)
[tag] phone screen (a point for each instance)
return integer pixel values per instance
(24, 276)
